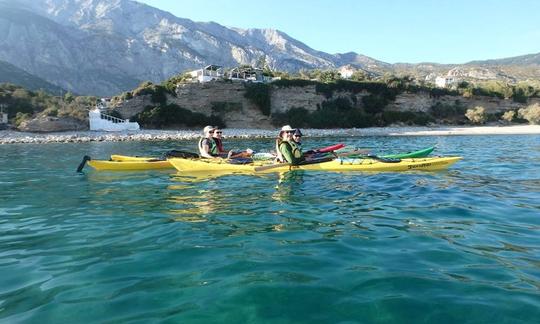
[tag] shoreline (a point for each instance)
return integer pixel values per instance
(15, 137)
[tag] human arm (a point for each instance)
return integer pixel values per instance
(286, 151)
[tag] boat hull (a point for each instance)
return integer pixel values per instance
(337, 165)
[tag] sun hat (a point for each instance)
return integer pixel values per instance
(208, 129)
(287, 128)
(298, 132)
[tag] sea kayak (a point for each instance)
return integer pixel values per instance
(131, 163)
(348, 164)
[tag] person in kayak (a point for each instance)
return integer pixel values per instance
(216, 136)
(286, 148)
(207, 146)
(297, 137)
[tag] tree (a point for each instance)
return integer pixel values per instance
(531, 113)
(329, 76)
(69, 97)
(360, 75)
(476, 115)
(509, 116)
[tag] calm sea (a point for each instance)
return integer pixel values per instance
(456, 246)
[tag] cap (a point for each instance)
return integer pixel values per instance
(208, 129)
(298, 132)
(287, 128)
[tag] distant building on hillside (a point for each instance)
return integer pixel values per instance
(347, 71)
(207, 73)
(244, 73)
(446, 81)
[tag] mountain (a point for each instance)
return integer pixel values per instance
(12, 74)
(103, 47)
(529, 59)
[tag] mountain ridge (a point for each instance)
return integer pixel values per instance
(105, 47)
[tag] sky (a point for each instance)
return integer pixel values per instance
(407, 31)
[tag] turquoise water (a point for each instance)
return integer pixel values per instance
(305, 247)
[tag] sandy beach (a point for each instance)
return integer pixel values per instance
(14, 137)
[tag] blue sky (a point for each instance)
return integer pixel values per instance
(393, 31)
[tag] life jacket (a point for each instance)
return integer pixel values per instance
(219, 144)
(295, 150)
(279, 156)
(212, 147)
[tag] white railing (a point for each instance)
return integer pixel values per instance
(113, 119)
(103, 122)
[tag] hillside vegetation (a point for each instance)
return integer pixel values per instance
(23, 104)
(335, 112)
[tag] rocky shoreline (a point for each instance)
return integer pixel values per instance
(14, 137)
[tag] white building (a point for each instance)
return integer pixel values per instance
(347, 71)
(103, 122)
(445, 81)
(208, 73)
(250, 74)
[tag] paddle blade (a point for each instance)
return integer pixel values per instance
(83, 163)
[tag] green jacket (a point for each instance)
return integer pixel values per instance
(291, 152)
(211, 145)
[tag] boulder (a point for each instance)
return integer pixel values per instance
(53, 124)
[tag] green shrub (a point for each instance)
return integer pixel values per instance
(477, 115)
(297, 116)
(374, 104)
(170, 84)
(331, 114)
(520, 95)
(259, 95)
(170, 115)
(509, 116)
(20, 117)
(51, 111)
(531, 113)
(288, 83)
(445, 111)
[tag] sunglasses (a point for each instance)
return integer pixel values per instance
(297, 135)
(218, 132)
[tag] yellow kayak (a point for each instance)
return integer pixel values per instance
(365, 164)
(130, 164)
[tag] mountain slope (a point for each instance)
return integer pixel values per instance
(12, 74)
(104, 47)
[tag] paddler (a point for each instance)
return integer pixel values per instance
(287, 149)
(207, 146)
(216, 136)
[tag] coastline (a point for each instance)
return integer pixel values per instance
(15, 137)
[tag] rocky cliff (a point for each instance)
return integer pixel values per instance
(228, 100)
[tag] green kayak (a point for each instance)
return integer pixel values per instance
(409, 155)
(416, 154)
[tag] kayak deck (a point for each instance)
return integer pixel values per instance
(365, 164)
(129, 165)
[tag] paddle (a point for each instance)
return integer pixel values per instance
(278, 165)
(83, 162)
(378, 158)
